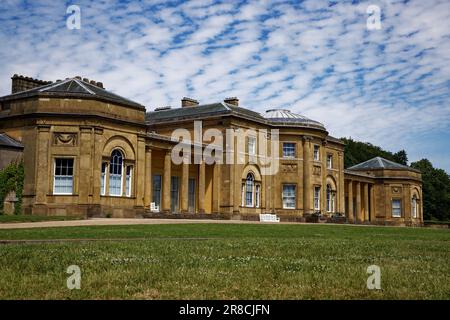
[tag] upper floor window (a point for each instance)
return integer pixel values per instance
(288, 150)
(251, 145)
(316, 152)
(63, 178)
(330, 161)
(396, 208)
(115, 173)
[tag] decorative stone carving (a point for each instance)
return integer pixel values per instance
(317, 170)
(396, 190)
(65, 139)
(290, 168)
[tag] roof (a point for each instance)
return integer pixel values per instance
(287, 118)
(73, 88)
(380, 163)
(200, 111)
(223, 108)
(7, 141)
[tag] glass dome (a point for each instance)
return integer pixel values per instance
(285, 117)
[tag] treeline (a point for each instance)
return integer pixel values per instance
(436, 182)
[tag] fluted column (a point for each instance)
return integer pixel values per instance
(366, 202)
(307, 175)
(351, 217)
(148, 178)
(201, 187)
(358, 202)
(166, 182)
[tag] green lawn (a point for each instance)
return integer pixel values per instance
(24, 218)
(223, 261)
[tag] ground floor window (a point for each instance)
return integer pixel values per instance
(257, 195)
(396, 208)
(156, 190)
(63, 177)
(103, 178)
(128, 178)
(317, 198)
(330, 199)
(289, 198)
(414, 206)
(191, 196)
(249, 185)
(115, 173)
(174, 194)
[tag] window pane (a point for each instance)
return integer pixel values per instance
(128, 181)
(174, 195)
(156, 192)
(289, 196)
(289, 150)
(63, 179)
(396, 208)
(191, 196)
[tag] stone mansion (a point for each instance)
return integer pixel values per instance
(90, 152)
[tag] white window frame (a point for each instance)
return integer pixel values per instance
(284, 196)
(316, 153)
(257, 195)
(329, 161)
(414, 207)
(103, 177)
(121, 177)
(251, 151)
(243, 195)
(129, 185)
(295, 150)
(317, 208)
(399, 215)
(54, 177)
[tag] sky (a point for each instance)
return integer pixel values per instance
(388, 86)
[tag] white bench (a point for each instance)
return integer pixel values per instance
(267, 217)
(154, 207)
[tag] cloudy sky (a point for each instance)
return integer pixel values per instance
(390, 86)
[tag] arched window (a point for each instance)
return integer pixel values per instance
(115, 173)
(330, 199)
(414, 206)
(249, 185)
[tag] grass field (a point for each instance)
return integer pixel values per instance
(223, 261)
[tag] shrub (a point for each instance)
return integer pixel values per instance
(11, 179)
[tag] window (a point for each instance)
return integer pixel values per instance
(414, 206)
(330, 161)
(396, 208)
(289, 198)
(63, 180)
(330, 199)
(288, 150)
(251, 145)
(257, 195)
(174, 194)
(156, 190)
(317, 198)
(243, 195)
(316, 152)
(115, 173)
(249, 184)
(128, 184)
(191, 195)
(103, 179)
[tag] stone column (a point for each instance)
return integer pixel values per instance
(307, 175)
(358, 215)
(85, 165)
(372, 203)
(166, 182)
(138, 180)
(184, 186)
(148, 178)
(341, 187)
(366, 202)
(350, 215)
(407, 202)
(324, 172)
(216, 188)
(201, 187)
(97, 165)
(43, 170)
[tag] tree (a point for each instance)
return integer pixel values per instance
(401, 157)
(435, 190)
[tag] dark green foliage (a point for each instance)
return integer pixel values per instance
(11, 179)
(357, 152)
(436, 191)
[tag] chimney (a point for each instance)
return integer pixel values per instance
(233, 101)
(188, 102)
(21, 83)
